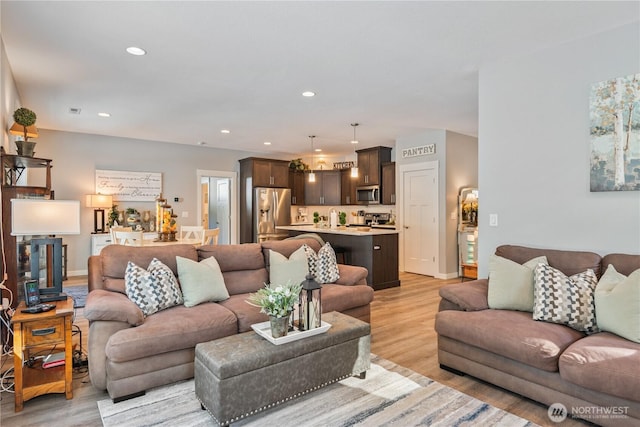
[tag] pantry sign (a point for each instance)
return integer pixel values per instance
(419, 151)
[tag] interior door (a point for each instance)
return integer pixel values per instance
(420, 199)
(222, 210)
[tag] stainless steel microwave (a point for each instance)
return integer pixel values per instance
(369, 195)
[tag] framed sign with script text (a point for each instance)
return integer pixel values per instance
(129, 186)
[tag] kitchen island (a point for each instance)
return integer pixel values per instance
(376, 250)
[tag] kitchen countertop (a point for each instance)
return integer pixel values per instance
(349, 231)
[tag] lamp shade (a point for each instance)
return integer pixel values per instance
(16, 129)
(99, 200)
(34, 217)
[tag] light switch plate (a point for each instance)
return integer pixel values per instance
(493, 220)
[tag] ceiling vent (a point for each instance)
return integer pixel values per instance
(73, 110)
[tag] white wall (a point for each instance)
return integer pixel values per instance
(534, 150)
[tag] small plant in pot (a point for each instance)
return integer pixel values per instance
(25, 119)
(316, 218)
(342, 218)
(277, 301)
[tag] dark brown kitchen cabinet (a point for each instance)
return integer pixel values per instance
(369, 164)
(325, 190)
(347, 188)
(266, 172)
(296, 183)
(389, 183)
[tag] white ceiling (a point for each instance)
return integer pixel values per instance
(394, 67)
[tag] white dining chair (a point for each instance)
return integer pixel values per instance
(191, 232)
(210, 236)
(128, 238)
(113, 229)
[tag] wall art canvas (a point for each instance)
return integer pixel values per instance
(129, 186)
(615, 134)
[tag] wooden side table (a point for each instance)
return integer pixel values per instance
(469, 271)
(40, 333)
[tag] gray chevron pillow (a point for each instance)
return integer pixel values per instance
(153, 289)
(565, 300)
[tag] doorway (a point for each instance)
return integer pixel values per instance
(217, 196)
(420, 218)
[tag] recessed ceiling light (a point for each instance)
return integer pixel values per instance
(104, 114)
(225, 131)
(137, 51)
(266, 143)
(308, 93)
(317, 150)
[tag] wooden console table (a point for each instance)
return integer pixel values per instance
(39, 333)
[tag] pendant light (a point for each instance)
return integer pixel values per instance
(354, 168)
(312, 175)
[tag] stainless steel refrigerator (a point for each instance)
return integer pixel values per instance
(271, 207)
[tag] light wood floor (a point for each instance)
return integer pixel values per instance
(402, 321)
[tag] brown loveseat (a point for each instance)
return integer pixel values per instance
(596, 377)
(129, 354)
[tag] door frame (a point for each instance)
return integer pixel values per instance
(233, 199)
(412, 167)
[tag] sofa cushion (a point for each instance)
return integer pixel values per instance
(512, 334)
(107, 305)
(624, 263)
(511, 283)
(153, 289)
(569, 262)
(287, 246)
(172, 329)
(243, 266)
(605, 363)
(283, 270)
(245, 313)
(323, 265)
(565, 300)
(617, 300)
(201, 281)
(114, 260)
(470, 296)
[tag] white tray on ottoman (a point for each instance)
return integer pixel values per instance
(240, 375)
(264, 330)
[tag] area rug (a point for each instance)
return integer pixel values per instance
(390, 395)
(78, 293)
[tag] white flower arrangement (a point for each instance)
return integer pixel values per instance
(276, 301)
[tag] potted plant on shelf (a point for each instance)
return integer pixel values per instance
(316, 218)
(25, 120)
(298, 165)
(342, 218)
(277, 301)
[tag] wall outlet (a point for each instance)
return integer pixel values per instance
(185, 214)
(493, 220)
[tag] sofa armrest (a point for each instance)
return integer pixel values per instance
(466, 296)
(107, 305)
(94, 278)
(352, 275)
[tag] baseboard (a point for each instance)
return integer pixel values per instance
(77, 273)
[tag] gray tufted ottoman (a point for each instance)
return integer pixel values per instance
(243, 374)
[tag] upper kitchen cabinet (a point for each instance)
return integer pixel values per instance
(369, 164)
(296, 183)
(325, 190)
(265, 172)
(348, 188)
(389, 183)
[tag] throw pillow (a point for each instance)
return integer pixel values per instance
(511, 284)
(283, 270)
(201, 281)
(153, 289)
(565, 300)
(618, 303)
(323, 265)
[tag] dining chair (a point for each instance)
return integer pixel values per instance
(128, 238)
(191, 232)
(112, 229)
(210, 236)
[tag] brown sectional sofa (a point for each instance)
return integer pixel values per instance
(129, 353)
(596, 377)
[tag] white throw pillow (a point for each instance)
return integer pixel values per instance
(511, 284)
(201, 281)
(153, 289)
(618, 303)
(283, 270)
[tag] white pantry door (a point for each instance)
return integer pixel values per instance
(420, 202)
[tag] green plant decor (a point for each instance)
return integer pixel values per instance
(316, 217)
(298, 165)
(342, 218)
(113, 215)
(276, 301)
(25, 118)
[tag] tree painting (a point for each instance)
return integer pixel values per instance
(615, 134)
